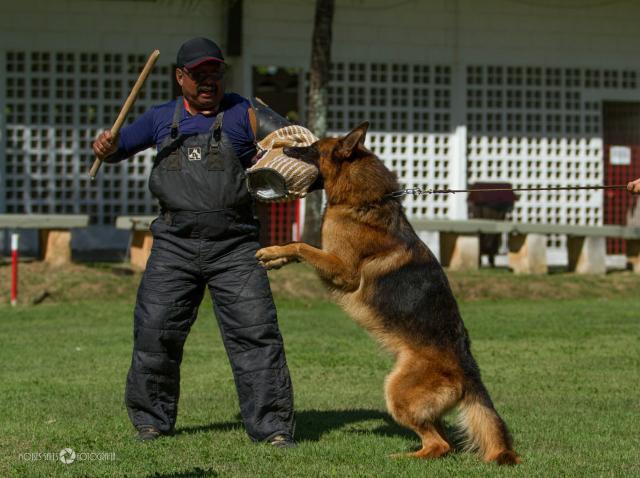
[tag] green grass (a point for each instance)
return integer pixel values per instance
(563, 373)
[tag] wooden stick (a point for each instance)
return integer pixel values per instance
(131, 99)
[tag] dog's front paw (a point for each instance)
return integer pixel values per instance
(273, 257)
(269, 253)
(275, 263)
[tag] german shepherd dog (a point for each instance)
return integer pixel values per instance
(389, 282)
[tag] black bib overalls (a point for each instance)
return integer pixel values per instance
(206, 236)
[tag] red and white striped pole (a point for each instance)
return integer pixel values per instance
(14, 268)
(300, 205)
(297, 225)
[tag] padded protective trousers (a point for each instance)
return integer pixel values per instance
(170, 292)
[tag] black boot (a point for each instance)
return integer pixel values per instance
(282, 441)
(148, 433)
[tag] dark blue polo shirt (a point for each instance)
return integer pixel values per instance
(152, 127)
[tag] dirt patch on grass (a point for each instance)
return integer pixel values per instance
(39, 282)
(503, 284)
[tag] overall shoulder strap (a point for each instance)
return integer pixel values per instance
(215, 162)
(177, 116)
(216, 128)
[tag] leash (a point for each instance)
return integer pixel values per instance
(424, 192)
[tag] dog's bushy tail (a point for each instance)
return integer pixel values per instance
(483, 428)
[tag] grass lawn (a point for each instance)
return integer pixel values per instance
(563, 373)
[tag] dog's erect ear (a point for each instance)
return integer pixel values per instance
(350, 142)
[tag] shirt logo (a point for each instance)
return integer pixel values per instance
(194, 154)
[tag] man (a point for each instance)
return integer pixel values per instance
(206, 235)
(634, 186)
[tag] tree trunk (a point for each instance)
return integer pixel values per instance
(317, 106)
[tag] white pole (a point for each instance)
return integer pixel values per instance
(14, 268)
(302, 202)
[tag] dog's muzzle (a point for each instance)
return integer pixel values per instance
(276, 176)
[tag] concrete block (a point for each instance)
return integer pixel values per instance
(528, 253)
(55, 245)
(459, 252)
(633, 254)
(432, 241)
(141, 243)
(587, 255)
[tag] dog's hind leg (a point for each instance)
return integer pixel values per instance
(484, 428)
(434, 445)
(439, 425)
(419, 390)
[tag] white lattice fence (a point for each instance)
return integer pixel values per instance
(534, 127)
(530, 126)
(56, 103)
(420, 160)
(409, 110)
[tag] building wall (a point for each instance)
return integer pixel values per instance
(456, 91)
(579, 33)
(501, 90)
(124, 26)
(69, 66)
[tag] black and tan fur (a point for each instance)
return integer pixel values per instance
(390, 283)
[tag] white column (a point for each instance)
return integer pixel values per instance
(458, 172)
(458, 139)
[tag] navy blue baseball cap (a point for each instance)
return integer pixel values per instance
(197, 51)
